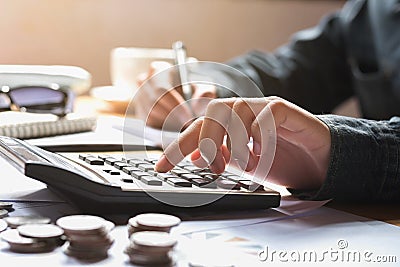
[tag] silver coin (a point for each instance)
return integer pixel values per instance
(157, 220)
(40, 231)
(13, 237)
(3, 213)
(6, 205)
(3, 225)
(81, 223)
(108, 226)
(150, 260)
(16, 221)
(153, 239)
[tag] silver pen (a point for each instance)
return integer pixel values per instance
(180, 61)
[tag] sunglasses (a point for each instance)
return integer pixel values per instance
(52, 99)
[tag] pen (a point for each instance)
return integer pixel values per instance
(180, 60)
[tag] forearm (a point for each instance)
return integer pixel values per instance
(364, 162)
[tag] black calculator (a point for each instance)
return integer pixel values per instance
(125, 182)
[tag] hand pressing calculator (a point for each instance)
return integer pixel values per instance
(121, 182)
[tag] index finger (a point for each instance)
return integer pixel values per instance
(186, 143)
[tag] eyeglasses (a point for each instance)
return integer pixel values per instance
(52, 99)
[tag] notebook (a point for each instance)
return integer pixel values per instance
(32, 125)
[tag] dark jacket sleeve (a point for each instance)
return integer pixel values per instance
(311, 71)
(365, 160)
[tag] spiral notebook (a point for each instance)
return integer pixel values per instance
(32, 125)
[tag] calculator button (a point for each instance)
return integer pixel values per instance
(204, 183)
(192, 168)
(211, 177)
(120, 164)
(139, 174)
(179, 171)
(179, 182)
(129, 169)
(165, 176)
(145, 167)
(111, 161)
(94, 161)
(227, 184)
(151, 160)
(136, 162)
(84, 156)
(114, 173)
(127, 180)
(190, 176)
(151, 180)
(236, 178)
(250, 185)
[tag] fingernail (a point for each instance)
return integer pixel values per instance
(160, 165)
(208, 150)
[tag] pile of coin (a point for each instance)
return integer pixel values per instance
(34, 238)
(88, 236)
(151, 248)
(152, 222)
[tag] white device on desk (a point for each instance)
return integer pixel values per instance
(106, 183)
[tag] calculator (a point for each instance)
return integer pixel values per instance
(124, 182)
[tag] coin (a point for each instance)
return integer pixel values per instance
(6, 205)
(13, 237)
(16, 221)
(157, 220)
(153, 239)
(150, 260)
(81, 223)
(3, 225)
(21, 244)
(88, 236)
(3, 213)
(41, 231)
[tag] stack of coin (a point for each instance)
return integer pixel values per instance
(151, 248)
(152, 222)
(88, 236)
(34, 238)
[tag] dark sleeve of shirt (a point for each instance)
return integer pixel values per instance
(311, 71)
(365, 161)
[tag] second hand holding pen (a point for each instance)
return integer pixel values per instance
(180, 60)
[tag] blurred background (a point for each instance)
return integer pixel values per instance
(83, 32)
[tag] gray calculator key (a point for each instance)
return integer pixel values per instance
(94, 161)
(250, 185)
(190, 176)
(237, 178)
(111, 160)
(120, 164)
(165, 176)
(146, 167)
(179, 171)
(151, 180)
(228, 184)
(136, 162)
(84, 156)
(179, 182)
(139, 174)
(204, 183)
(129, 169)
